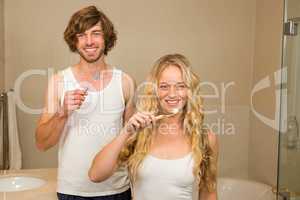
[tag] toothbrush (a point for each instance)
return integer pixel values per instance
(172, 113)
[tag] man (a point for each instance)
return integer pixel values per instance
(86, 105)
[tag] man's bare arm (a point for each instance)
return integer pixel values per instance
(54, 117)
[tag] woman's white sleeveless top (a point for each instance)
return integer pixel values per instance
(162, 179)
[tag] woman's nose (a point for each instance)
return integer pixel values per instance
(172, 91)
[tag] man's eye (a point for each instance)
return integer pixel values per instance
(97, 33)
(79, 35)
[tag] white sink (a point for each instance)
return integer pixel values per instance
(20, 183)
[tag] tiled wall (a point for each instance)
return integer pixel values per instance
(225, 43)
(267, 60)
(217, 38)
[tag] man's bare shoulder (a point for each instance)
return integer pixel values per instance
(128, 86)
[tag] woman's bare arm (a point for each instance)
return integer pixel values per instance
(214, 144)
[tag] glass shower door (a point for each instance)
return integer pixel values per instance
(289, 145)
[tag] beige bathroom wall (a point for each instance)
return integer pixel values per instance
(1, 45)
(267, 59)
(217, 37)
(1, 69)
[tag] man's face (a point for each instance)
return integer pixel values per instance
(90, 44)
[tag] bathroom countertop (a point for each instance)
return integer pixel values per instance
(46, 192)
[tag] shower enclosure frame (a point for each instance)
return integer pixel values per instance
(290, 29)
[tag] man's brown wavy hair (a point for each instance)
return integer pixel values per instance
(85, 19)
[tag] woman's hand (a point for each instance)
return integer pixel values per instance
(139, 121)
(105, 162)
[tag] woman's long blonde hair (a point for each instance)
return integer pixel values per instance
(139, 144)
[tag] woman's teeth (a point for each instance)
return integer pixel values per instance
(172, 102)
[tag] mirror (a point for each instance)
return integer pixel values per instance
(226, 42)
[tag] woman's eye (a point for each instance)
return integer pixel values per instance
(163, 87)
(181, 86)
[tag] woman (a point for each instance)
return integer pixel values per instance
(170, 157)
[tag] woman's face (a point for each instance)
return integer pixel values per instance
(172, 91)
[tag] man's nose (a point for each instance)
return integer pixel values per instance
(89, 39)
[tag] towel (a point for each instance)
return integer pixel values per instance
(15, 155)
(1, 135)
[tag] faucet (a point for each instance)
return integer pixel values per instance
(293, 138)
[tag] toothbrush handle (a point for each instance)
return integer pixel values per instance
(158, 117)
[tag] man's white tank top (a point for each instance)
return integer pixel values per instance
(162, 179)
(87, 131)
